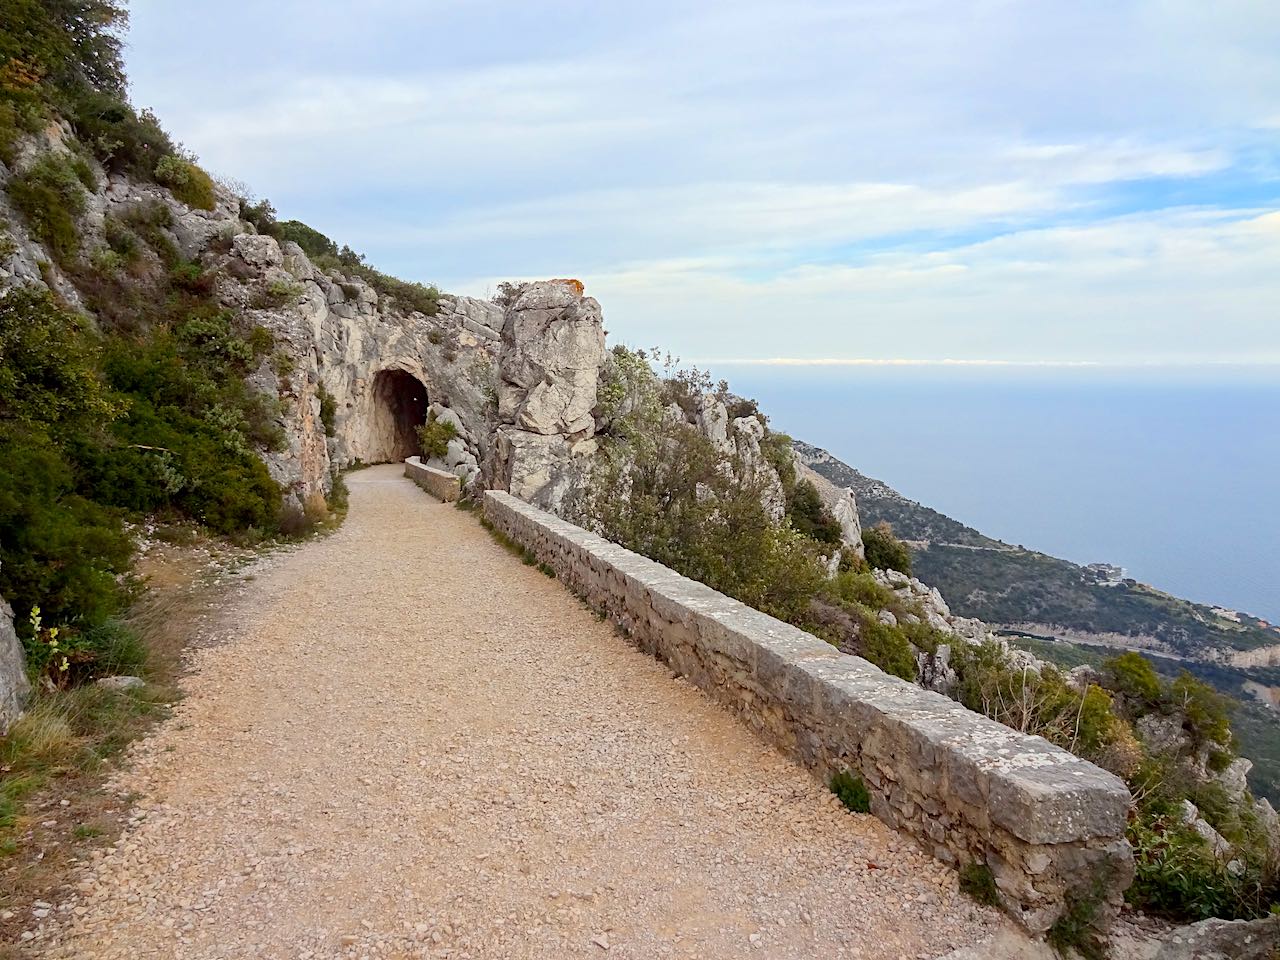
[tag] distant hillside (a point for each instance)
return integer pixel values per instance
(1023, 590)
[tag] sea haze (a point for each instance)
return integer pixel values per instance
(1172, 473)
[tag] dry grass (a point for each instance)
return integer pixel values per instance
(54, 808)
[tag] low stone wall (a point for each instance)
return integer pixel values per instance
(1049, 825)
(439, 483)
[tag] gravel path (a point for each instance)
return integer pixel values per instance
(412, 745)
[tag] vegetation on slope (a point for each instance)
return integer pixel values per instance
(1004, 584)
(667, 492)
(143, 407)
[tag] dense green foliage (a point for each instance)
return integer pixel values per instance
(434, 437)
(91, 427)
(328, 410)
(851, 791)
(884, 551)
(406, 294)
(57, 548)
(186, 181)
(662, 491)
(810, 517)
(312, 241)
(71, 44)
(326, 255)
(50, 194)
(61, 58)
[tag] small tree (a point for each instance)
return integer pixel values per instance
(884, 550)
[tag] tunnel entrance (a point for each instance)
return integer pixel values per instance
(399, 408)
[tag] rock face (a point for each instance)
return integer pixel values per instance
(548, 374)
(13, 673)
(1223, 940)
(549, 367)
(969, 789)
(841, 503)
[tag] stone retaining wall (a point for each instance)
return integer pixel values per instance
(1049, 825)
(441, 484)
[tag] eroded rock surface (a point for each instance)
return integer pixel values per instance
(14, 686)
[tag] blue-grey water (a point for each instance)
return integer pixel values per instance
(1174, 475)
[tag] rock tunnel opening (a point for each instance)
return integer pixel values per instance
(400, 407)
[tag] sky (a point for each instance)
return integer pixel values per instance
(985, 181)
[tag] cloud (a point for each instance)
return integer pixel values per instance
(1184, 286)
(990, 179)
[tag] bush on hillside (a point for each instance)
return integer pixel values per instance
(810, 516)
(187, 182)
(50, 194)
(49, 377)
(663, 490)
(328, 410)
(124, 140)
(884, 551)
(1132, 676)
(434, 437)
(313, 242)
(58, 550)
(72, 44)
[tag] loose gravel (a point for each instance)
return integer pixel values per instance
(412, 745)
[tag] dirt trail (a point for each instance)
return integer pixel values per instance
(413, 745)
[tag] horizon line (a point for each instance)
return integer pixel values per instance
(979, 362)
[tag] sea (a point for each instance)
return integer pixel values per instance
(1172, 473)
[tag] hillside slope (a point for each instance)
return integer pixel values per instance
(1020, 589)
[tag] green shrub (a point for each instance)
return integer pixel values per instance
(1133, 677)
(186, 181)
(21, 113)
(887, 647)
(262, 215)
(49, 378)
(979, 884)
(434, 437)
(261, 341)
(124, 140)
(809, 515)
(777, 452)
(329, 412)
(1206, 713)
(51, 196)
(339, 495)
(58, 550)
(861, 587)
(407, 295)
(851, 791)
(74, 45)
(312, 241)
(276, 293)
(884, 551)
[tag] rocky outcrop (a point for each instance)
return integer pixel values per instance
(547, 378)
(840, 503)
(549, 367)
(1222, 940)
(746, 434)
(14, 686)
